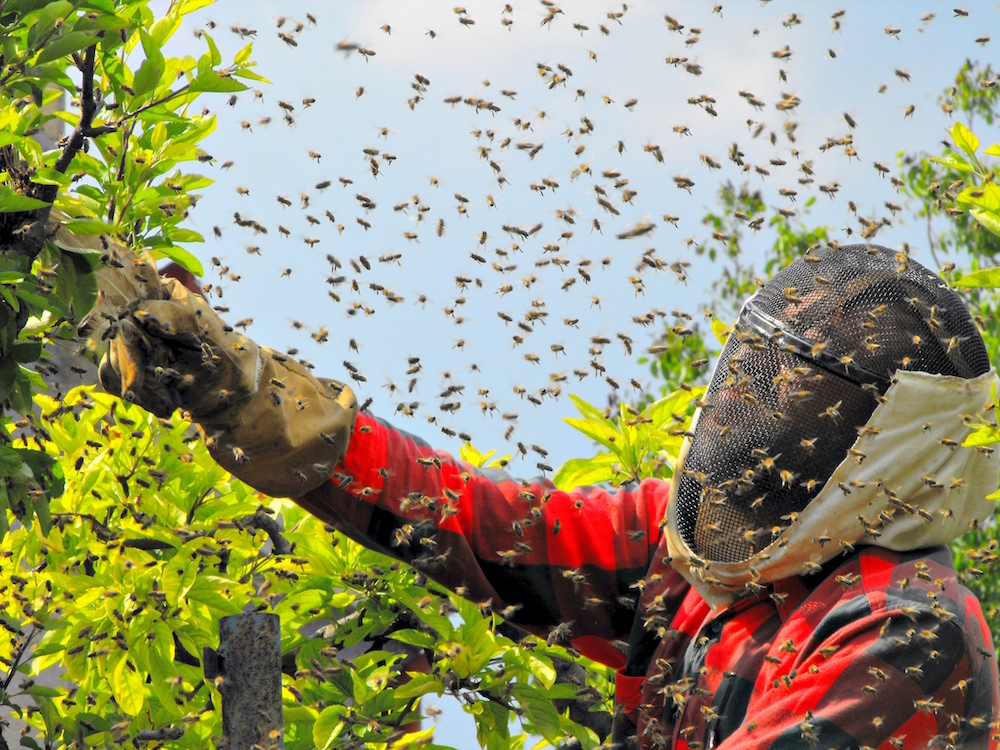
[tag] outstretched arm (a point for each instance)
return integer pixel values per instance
(543, 557)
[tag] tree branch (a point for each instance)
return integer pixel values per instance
(146, 544)
(156, 103)
(155, 735)
(260, 520)
(184, 656)
(88, 109)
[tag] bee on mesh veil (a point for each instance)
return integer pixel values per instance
(810, 439)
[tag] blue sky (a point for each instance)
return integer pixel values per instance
(436, 140)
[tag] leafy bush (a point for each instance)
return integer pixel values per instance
(151, 543)
(122, 543)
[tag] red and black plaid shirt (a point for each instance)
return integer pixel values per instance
(881, 650)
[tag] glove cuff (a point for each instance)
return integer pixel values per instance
(289, 435)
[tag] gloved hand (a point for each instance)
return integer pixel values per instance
(265, 418)
(178, 353)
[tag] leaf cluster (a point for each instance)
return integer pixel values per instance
(151, 543)
(117, 175)
(638, 445)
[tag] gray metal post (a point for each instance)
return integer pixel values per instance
(249, 663)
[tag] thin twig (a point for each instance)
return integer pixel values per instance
(146, 544)
(930, 241)
(405, 714)
(155, 735)
(16, 659)
(158, 102)
(197, 504)
(88, 109)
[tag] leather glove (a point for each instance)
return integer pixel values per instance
(178, 353)
(265, 418)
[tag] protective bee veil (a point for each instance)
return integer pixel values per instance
(800, 426)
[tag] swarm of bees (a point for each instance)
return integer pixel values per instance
(491, 283)
(525, 227)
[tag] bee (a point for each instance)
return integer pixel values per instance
(683, 183)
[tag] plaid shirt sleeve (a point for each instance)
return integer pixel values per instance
(881, 682)
(555, 557)
(888, 652)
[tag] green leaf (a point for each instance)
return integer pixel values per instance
(328, 726)
(587, 737)
(582, 472)
(213, 50)
(178, 579)
(27, 351)
(89, 227)
(250, 75)
(470, 454)
(721, 331)
(165, 27)
(4, 507)
(662, 412)
(993, 150)
(63, 45)
(127, 683)
(180, 234)
(161, 665)
(210, 80)
(982, 436)
(414, 638)
(419, 684)
(47, 17)
(540, 710)
(49, 176)
(244, 54)
(39, 302)
(987, 197)
(8, 373)
(954, 162)
(40, 503)
(299, 715)
(604, 432)
(964, 138)
(587, 410)
(8, 295)
(989, 219)
(44, 691)
(542, 669)
(987, 277)
(15, 202)
(181, 257)
(77, 283)
(158, 136)
(147, 78)
(493, 726)
(190, 6)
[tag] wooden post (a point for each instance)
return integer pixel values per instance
(249, 663)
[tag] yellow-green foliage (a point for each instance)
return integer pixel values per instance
(152, 542)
